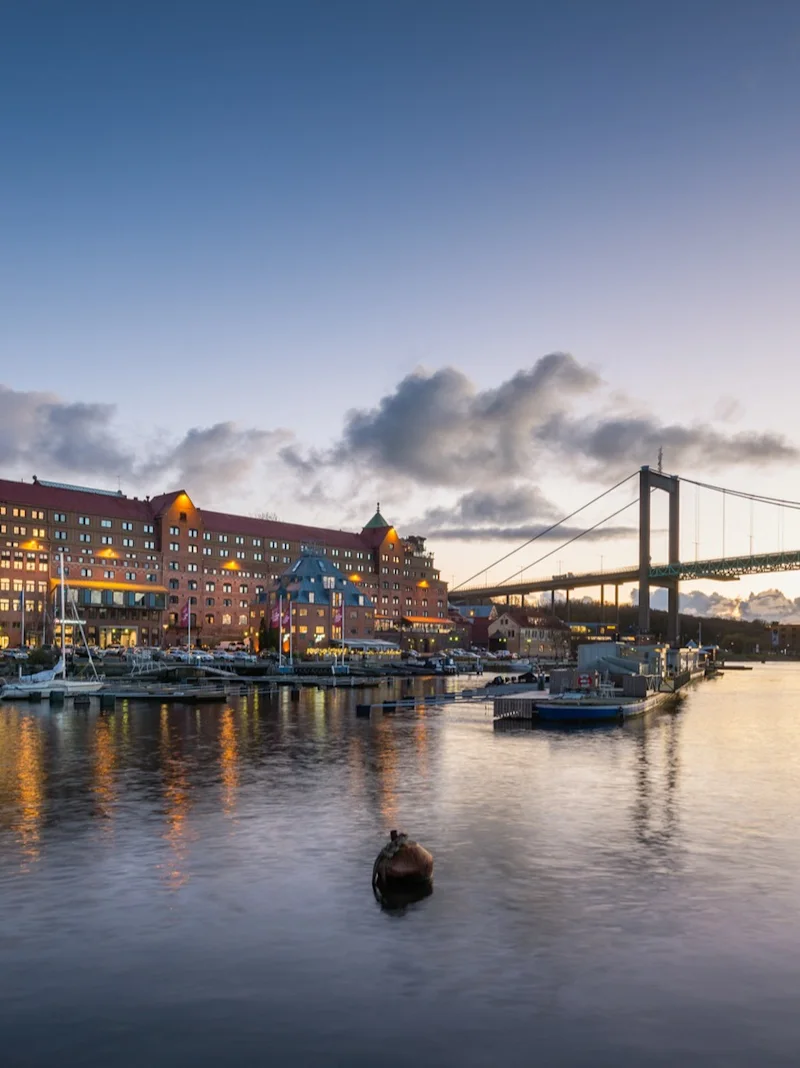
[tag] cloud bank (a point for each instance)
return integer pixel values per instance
(768, 605)
(476, 453)
(45, 435)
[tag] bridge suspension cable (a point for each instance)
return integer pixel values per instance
(554, 526)
(575, 537)
(759, 498)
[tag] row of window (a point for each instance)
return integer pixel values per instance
(17, 585)
(22, 513)
(16, 605)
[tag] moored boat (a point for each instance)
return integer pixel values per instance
(588, 708)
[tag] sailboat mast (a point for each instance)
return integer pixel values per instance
(280, 630)
(63, 617)
(22, 625)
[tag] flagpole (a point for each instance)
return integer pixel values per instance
(280, 630)
(189, 624)
(291, 655)
(22, 638)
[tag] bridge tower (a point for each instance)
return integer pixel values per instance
(648, 481)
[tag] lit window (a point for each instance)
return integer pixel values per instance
(129, 542)
(127, 526)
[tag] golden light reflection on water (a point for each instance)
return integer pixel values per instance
(229, 761)
(388, 775)
(105, 759)
(29, 809)
(177, 797)
(421, 730)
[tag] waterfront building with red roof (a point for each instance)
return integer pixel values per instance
(133, 566)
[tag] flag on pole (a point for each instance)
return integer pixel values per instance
(185, 615)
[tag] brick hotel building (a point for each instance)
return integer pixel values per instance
(132, 564)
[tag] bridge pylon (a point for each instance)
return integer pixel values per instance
(648, 481)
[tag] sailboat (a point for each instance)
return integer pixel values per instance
(56, 678)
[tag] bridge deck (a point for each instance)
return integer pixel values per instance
(723, 569)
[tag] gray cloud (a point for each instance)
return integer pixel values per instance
(509, 503)
(208, 458)
(42, 434)
(508, 513)
(617, 443)
(524, 532)
(437, 428)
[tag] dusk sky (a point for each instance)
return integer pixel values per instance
(476, 261)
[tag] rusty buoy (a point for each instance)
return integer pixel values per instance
(402, 862)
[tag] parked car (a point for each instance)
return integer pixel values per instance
(178, 655)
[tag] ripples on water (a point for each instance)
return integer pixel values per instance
(192, 885)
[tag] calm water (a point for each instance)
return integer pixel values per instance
(192, 886)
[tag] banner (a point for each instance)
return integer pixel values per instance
(337, 618)
(185, 615)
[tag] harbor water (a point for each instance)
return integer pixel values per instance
(191, 885)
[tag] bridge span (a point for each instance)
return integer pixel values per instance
(645, 574)
(723, 569)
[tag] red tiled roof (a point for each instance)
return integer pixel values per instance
(221, 523)
(34, 495)
(162, 502)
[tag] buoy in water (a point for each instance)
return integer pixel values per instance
(402, 862)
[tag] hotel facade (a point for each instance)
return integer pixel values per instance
(136, 568)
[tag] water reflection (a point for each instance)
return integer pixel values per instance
(609, 892)
(229, 760)
(104, 762)
(30, 788)
(177, 800)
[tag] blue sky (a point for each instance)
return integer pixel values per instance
(270, 214)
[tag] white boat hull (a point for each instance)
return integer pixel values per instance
(69, 687)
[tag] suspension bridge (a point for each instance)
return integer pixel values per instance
(644, 573)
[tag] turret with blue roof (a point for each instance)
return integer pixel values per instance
(313, 579)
